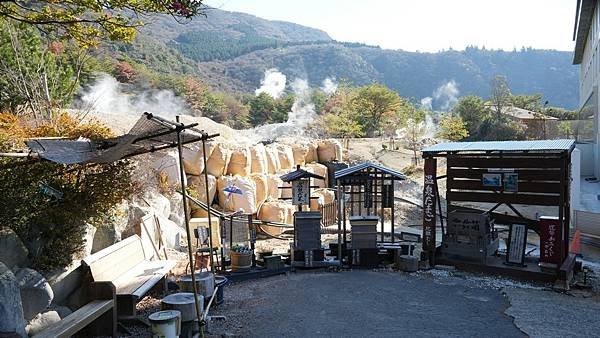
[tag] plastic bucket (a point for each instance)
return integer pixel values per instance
(240, 261)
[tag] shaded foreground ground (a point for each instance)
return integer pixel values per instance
(434, 303)
(362, 303)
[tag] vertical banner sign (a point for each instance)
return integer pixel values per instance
(388, 195)
(368, 194)
(550, 240)
(517, 239)
(429, 199)
(300, 190)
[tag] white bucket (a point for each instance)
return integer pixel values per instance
(165, 324)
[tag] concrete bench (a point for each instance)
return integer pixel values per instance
(98, 317)
(130, 269)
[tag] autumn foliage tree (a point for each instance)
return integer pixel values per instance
(452, 128)
(376, 104)
(124, 72)
(89, 22)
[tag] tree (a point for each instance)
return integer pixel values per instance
(283, 106)
(195, 93)
(500, 94)
(453, 128)
(36, 76)
(90, 22)
(261, 108)
(529, 102)
(472, 110)
(494, 129)
(237, 113)
(343, 125)
(318, 98)
(566, 129)
(339, 116)
(376, 104)
(265, 109)
(413, 133)
(124, 72)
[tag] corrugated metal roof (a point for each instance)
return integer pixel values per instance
(298, 174)
(505, 146)
(366, 165)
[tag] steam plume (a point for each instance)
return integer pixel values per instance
(303, 110)
(447, 94)
(273, 83)
(106, 96)
(329, 86)
(426, 103)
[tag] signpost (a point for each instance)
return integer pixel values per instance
(517, 240)
(388, 195)
(368, 194)
(301, 192)
(429, 199)
(550, 240)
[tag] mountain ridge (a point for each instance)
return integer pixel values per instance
(232, 50)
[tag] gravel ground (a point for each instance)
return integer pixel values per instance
(550, 314)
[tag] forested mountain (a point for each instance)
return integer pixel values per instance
(231, 51)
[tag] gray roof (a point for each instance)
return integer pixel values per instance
(299, 174)
(524, 114)
(503, 146)
(368, 165)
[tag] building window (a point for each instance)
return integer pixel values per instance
(585, 126)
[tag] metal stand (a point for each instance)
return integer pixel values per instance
(182, 178)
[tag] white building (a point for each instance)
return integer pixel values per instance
(586, 208)
(586, 34)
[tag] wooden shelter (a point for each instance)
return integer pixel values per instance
(511, 173)
(366, 189)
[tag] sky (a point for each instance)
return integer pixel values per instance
(426, 25)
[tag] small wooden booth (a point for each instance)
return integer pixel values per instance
(365, 197)
(510, 173)
(306, 250)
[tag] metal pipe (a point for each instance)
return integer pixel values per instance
(187, 224)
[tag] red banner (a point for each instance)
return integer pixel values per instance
(550, 240)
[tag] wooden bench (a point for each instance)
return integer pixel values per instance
(98, 317)
(130, 269)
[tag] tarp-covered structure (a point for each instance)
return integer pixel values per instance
(150, 133)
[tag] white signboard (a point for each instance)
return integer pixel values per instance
(300, 191)
(516, 245)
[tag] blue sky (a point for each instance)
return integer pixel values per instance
(430, 25)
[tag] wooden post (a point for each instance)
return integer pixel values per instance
(208, 202)
(339, 198)
(429, 198)
(187, 219)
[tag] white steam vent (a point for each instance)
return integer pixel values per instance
(303, 110)
(107, 96)
(445, 97)
(273, 83)
(447, 94)
(329, 86)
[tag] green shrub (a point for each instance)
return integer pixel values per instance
(49, 204)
